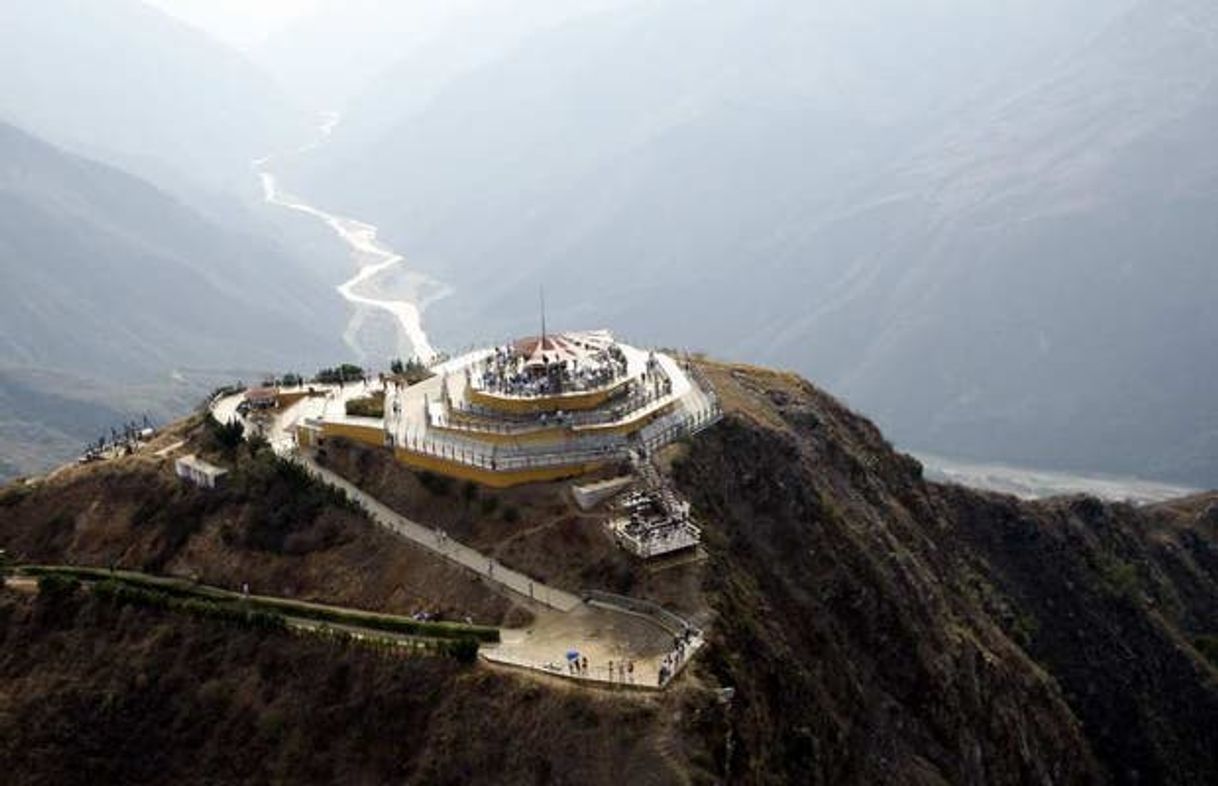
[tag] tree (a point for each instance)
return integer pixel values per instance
(229, 435)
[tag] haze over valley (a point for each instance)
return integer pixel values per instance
(987, 227)
(609, 392)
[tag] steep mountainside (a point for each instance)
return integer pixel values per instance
(945, 634)
(113, 285)
(122, 81)
(875, 628)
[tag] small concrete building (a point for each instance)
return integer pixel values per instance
(262, 398)
(199, 472)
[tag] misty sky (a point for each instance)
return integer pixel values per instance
(240, 22)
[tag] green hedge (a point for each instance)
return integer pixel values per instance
(125, 593)
(386, 622)
(369, 407)
(178, 588)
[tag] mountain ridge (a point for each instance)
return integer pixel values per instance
(872, 625)
(115, 284)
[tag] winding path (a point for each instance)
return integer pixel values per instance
(562, 620)
(518, 583)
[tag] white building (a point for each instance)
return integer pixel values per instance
(199, 472)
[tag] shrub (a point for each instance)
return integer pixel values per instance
(469, 491)
(438, 485)
(54, 585)
(258, 443)
(347, 372)
(227, 435)
(1208, 646)
(14, 494)
(266, 613)
(412, 371)
(370, 407)
(284, 499)
(463, 650)
(511, 514)
(1118, 577)
(223, 611)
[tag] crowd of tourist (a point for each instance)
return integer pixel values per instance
(671, 663)
(507, 370)
(621, 670)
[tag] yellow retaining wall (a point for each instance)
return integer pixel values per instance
(368, 435)
(568, 402)
(552, 434)
(492, 478)
(557, 434)
(626, 426)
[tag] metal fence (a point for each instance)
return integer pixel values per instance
(670, 621)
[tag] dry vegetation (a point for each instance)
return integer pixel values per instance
(535, 529)
(271, 528)
(96, 694)
(875, 628)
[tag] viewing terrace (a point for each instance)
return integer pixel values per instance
(505, 416)
(653, 521)
(565, 372)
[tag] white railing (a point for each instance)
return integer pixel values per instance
(679, 425)
(476, 454)
(502, 423)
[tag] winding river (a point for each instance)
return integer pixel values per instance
(372, 259)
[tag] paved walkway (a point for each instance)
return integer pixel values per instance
(429, 538)
(165, 451)
(563, 622)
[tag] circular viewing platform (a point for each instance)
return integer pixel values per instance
(533, 410)
(566, 372)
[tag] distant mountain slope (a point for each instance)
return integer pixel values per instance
(120, 80)
(1038, 283)
(663, 138)
(108, 279)
(111, 276)
(988, 226)
(348, 50)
